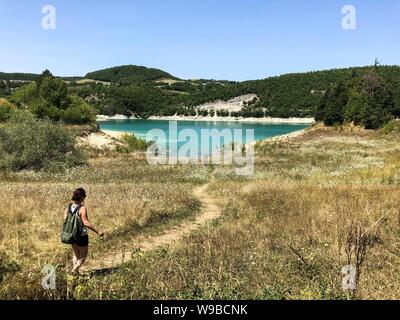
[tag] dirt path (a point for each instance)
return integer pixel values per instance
(210, 211)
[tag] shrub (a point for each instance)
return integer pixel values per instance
(24, 94)
(6, 266)
(80, 113)
(204, 112)
(391, 126)
(223, 113)
(49, 98)
(5, 112)
(27, 143)
(132, 144)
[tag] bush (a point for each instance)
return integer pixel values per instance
(203, 112)
(391, 126)
(27, 143)
(5, 112)
(7, 266)
(223, 113)
(132, 144)
(81, 113)
(49, 98)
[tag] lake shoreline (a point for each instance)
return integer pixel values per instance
(110, 134)
(102, 118)
(114, 134)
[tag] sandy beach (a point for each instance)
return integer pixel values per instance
(114, 134)
(251, 120)
(219, 119)
(103, 140)
(233, 105)
(108, 139)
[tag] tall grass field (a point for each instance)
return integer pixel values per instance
(317, 203)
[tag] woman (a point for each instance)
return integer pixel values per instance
(81, 248)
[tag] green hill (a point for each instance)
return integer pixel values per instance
(130, 73)
(136, 90)
(299, 94)
(290, 95)
(18, 76)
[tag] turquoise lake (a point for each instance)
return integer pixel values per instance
(140, 129)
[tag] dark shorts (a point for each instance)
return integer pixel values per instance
(83, 242)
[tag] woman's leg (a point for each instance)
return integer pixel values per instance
(83, 252)
(76, 256)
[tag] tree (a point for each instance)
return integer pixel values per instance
(323, 105)
(379, 110)
(331, 110)
(368, 102)
(55, 92)
(380, 106)
(354, 110)
(49, 97)
(45, 74)
(370, 82)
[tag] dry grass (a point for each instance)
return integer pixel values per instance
(125, 199)
(286, 232)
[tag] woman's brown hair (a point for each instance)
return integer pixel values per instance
(79, 195)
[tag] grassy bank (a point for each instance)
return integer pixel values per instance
(127, 198)
(286, 232)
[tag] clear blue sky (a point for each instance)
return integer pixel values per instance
(219, 39)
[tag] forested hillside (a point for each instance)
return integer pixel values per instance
(138, 91)
(46, 97)
(370, 101)
(128, 73)
(18, 76)
(291, 95)
(299, 94)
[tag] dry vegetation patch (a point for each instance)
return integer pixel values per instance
(316, 203)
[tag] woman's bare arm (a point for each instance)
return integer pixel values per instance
(65, 213)
(86, 222)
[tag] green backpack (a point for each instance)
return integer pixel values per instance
(72, 227)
